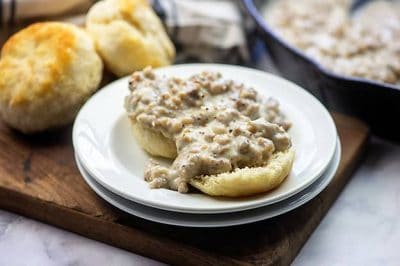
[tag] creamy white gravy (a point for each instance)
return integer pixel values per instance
(365, 44)
(218, 125)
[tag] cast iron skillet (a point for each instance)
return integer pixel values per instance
(376, 103)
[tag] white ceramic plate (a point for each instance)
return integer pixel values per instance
(104, 143)
(215, 220)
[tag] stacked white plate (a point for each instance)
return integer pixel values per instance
(112, 163)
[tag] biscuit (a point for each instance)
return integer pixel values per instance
(153, 142)
(129, 36)
(239, 183)
(48, 70)
(248, 181)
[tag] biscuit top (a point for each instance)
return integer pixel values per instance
(131, 9)
(129, 36)
(140, 15)
(126, 6)
(34, 60)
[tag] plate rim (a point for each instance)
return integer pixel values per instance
(303, 199)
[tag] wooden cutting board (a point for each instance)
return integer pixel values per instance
(39, 179)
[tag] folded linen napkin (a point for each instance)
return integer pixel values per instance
(205, 30)
(202, 30)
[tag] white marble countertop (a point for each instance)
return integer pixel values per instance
(361, 228)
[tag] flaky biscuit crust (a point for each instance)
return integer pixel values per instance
(153, 142)
(248, 181)
(48, 70)
(129, 36)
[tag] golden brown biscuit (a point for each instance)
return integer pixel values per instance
(153, 142)
(248, 181)
(48, 70)
(129, 36)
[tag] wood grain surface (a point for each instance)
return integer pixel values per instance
(39, 179)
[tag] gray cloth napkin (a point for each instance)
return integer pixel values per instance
(202, 30)
(205, 30)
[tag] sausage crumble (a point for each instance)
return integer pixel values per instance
(364, 44)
